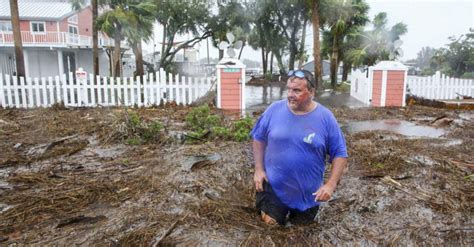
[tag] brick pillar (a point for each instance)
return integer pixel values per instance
(231, 85)
(389, 80)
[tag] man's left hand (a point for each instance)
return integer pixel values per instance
(324, 193)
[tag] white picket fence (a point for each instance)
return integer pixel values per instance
(440, 86)
(156, 88)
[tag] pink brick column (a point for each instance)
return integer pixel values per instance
(231, 85)
(389, 80)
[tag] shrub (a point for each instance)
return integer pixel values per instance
(468, 75)
(134, 130)
(242, 128)
(201, 121)
(205, 125)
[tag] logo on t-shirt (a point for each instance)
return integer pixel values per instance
(309, 138)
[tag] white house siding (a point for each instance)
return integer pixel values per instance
(7, 62)
(84, 60)
(42, 63)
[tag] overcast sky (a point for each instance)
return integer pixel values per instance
(430, 23)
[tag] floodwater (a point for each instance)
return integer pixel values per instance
(258, 97)
(396, 126)
(262, 96)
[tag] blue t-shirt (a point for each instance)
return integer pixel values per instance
(296, 148)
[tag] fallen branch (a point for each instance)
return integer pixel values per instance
(132, 169)
(389, 180)
(167, 232)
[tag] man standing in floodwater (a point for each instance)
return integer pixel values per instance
(290, 143)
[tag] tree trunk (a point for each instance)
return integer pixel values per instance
(346, 68)
(95, 41)
(291, 59)
(318, 76)
(221, 54)
(163, 45)
(20, 62)
(117, 51)
(280, 62)
(334, 62)
(301, 61)
(271, 64)
(110, 57)
(241, 49)
(264, 61)
(137, 50)
(293, 43)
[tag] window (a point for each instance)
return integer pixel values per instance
(37, 27)
(73, 29)
(72, 19)
(6, 26)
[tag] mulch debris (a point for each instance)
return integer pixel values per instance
(67, 178)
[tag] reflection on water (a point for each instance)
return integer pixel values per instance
(261, 96)
(396, 126)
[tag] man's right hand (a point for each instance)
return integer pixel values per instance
(258, 178)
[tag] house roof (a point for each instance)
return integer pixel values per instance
(37, 10)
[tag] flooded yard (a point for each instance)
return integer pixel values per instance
(65, 179)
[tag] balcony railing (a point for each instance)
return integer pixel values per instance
(54, 39)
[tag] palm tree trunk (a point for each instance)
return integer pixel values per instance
(95, 41)
(293, 44)
(291, 59)
(241, 49)
(316, 44)
(137, 50)
(271, 64)
(264, 61)
(301, 61)
(346, 68)
(280, 62)
(221, 54)
(20, 62)
(163, 44)
(334, 62)
(117, 51)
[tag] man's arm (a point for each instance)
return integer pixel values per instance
(324, 193)
(258, 153)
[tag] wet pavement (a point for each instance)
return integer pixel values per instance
(260, 97)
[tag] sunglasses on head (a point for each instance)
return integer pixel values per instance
(300, 74)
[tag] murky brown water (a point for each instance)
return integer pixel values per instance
(401, 127)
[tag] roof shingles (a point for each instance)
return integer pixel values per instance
(37, 10)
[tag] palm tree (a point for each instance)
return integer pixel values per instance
(95, 39)
(343, 18)
(316, 43)
(112, 22)
(128, 19)
(20, 62)
(140, 28)
(379, 42)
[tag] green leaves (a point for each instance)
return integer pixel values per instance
(135, 130)
(205, 125)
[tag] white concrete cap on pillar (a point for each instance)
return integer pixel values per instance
(390, 65)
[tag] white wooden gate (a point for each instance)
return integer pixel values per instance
(361, 87)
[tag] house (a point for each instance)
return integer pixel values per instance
(56, 39)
